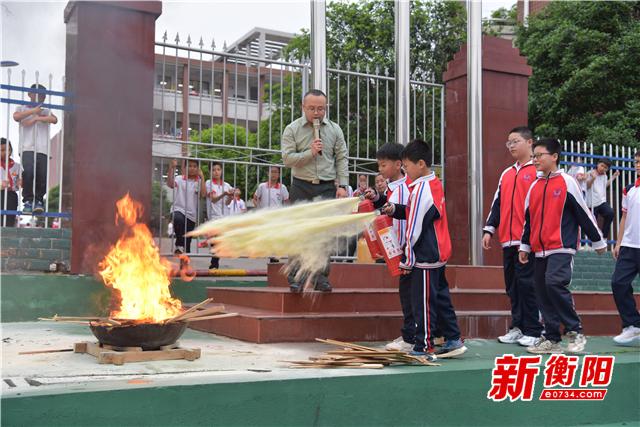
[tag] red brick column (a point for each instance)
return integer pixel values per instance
(505, 77)
(110, 73)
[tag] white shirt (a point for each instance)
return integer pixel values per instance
(597, 194)
(14, 172)
(398, 193)
(185, 196)
(271, 196)
(576, 170)
(36, 135)
(237, 207)
(631, 205)
(349, 191)
(219, 208)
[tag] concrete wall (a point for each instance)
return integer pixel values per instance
(33, 249)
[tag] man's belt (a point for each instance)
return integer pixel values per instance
(314, 181)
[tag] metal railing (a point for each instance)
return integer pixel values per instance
(622, 161)
(15, 94)
(233, 107)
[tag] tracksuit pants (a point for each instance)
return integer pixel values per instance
(34, 176)
(552, 276)
(605, 211)
(181, 226)
(12, 205)
(518, 279)
(432, 307)
(408, 322)
(627, 268)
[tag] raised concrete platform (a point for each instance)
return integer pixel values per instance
(238, 383)
(380, 299)
(348, 275)
(364, 306)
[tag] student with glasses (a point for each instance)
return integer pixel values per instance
(506, 218)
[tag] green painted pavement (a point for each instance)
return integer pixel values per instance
(452, 394)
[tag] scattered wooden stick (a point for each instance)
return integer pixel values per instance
(346, 344)
(192, 309)
(57, 318)
(219, 316)
(82, 320)
(358, 356)
(200, 313)
(60, 350)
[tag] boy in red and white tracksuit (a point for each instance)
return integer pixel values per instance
(389, 157)
(554, 213)
(427, 249)
(627, 254)
(507, 219)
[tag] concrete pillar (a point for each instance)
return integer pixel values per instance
(505, 76)
(110, 73)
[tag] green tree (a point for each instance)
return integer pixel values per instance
(586, 71)
(53, 199)
(235, 139)
(360, 37)
(501, 17)
(362, 33)
(157, 210)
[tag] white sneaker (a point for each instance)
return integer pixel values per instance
(399, 344)
(544, 346)
(630, 337)
(511, 337)
(577, 342)
(527, 341)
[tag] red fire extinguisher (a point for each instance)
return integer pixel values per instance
(388, 243)
(366, 205)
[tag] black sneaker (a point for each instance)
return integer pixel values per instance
(451, 348)
(38, 208)
(322, 285)
(296, 287)
(27, 208)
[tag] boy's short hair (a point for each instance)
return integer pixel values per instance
(417, 150)
(39, 87)
(637, 154)
(215, 164)
(390, 151)
(551, 144)
(523, 131)
(604, 160)
(192, 160)
(5, 141)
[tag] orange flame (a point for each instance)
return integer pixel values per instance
(134, 269)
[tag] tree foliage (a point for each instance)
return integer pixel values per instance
(363, 33)
(236, 154)
(586, 71)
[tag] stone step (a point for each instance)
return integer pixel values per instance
(346, 275)
(459, 276)
(265, 326)
(280, 300)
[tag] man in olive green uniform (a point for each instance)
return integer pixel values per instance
(315, 166)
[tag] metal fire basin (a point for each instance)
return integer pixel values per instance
(149, 336)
